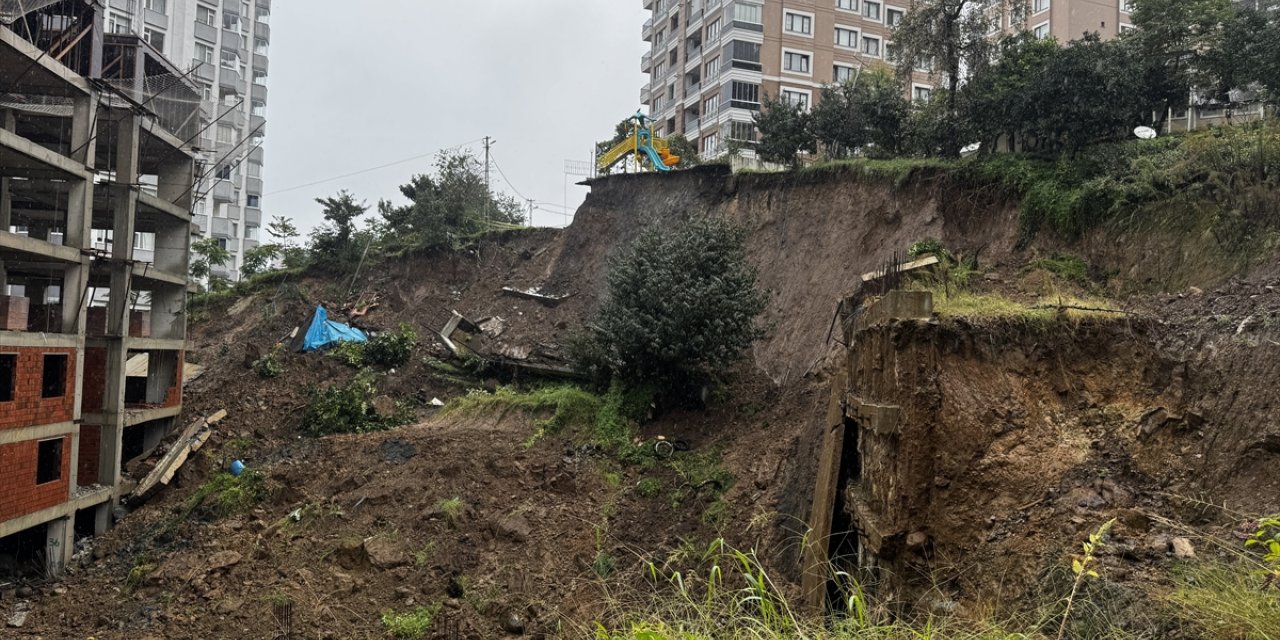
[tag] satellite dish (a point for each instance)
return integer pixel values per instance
(971, 148)
(1146, 133)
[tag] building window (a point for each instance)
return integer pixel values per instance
(746, 55)
(713, 30)
(1126, 6)
(206, 15)
(847, 5)
(154, 38)
(798, 23)
(893, 17)
(1039, 5)
(49, 460)
(796, 98)
(253, 200)
(8, 376)
(744, 95)
(260, 46)
(795, 62)
(230, 60)
(711, 106)
(226, 134)
(871, 46)
(712, 68)
(1127, 28)
(748, 12)
(53, 378)
(891, 52)
(711, 144)
(847, 38)
(204, 52)
(230, 21)
(1041, 31)
(871, 10)
(260, 78)
(841, 74)
(263, 16)
(259, 108)
(745, 131)
(206, 91)
(921, 94)
(155, 5)
(117, 23)
(255, 169)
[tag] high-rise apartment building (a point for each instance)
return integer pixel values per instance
(224, 45)
(712, 62)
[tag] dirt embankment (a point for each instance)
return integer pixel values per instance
(535, 527)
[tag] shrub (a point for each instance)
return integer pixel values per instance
(227, 495)
(411, 625)
(391, 348)
(269, 365)
(680, 311)
(349, 353)
(349, 409)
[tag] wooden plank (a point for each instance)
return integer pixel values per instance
(177, 454)
(910, 266)
(816, 560)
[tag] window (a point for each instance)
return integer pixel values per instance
(742, 131)
(671, 92)
(226, 134)
(8, 376)
(264, 16)
(847, 38)
(206, 15)
(1041, 31)
(713, 30)
(841, 74)
(1127, 28)
(204, 52)
(795, 62)
(748, 13)
(118, 23)
(254, 201)
(1126, 6)
(1039, 5)
(658, 69)
(746, 55)
(53, 382)
(871, 10)
(871, 46)
(155, 5)
(223, 173)
(891, 52)
(259, 108)
(847, 5)
(154, 38)
(921, 94)
(744, 95)
(255, 169)
(796, 98)
(798, 23)
(206, 91)
(712, 68)
(230, 60)
(260, 78)
(230, 21)
(49, 460)
(711, 106)
(260, 46)
(711, 143)
(893, 17)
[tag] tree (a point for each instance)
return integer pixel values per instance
(621, 132)
(332, 241)
(284, 233)
(209, 253)
(868, 115)
(950, 37)
(681, 307)
(258, 259)
(1248, 51)
(785, 131)
(997, 101)
(452, 203)
(1175, 36)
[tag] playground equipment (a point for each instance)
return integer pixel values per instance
(650, 151)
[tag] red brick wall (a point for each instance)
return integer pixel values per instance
(90, 452)
(174, 396)
(19, 494)
(27, 407)
(95, 380)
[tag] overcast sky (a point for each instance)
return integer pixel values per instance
(357, 85)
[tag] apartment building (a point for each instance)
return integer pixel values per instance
(94, 131)
(224, 45)
(713, 61)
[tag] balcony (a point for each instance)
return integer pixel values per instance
(203, 70)
(693, 89)
(225, 191)
(258, 124)
(265, 4)
(155, 18)
(201, 223)
(230, 79)
(259, 62)
(262, 30)
(646, 62)
(644, 92)
(232, 40)
(691, 125)
(206, 32)
(252, 217)
(221, 228)
(254, 185)
(259, 92)
(647, 4)
(231, 6)
(646, 32)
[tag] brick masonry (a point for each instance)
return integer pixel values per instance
(90, 453)
(21, 495)
(95, 380)
(28, 408)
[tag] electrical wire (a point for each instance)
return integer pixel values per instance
(504, 179)
(370, 169)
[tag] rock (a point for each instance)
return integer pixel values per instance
(396, 450)
(351, 554)
(230, 605)
(452, 603)
(224, 559)
(1195, 291)
(514, 528)
(916, 540)
(1182, 548)
(384, 554)
(512, 624)
(384, 406)
(25, 592)
(18, 619)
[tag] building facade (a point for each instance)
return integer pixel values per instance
(224, 45)
(94, 131)
(711, 62)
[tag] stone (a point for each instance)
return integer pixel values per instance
(916, 540)
(384, 554)
(513, 528)
(18, 619)
(224, 559)
(452, 603)
(397, 450)
(1182, 548)
(25, 592)
(512, 624)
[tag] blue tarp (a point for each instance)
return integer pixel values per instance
(324, 333)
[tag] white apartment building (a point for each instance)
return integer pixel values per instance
(223, 45)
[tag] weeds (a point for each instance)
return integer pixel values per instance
(138, 573)
(1068, 267)
(348, 353)
(411, 625)
(451, 509)
(649, 488)
(1081, 566)
(226, 494)
(1223, 600)
(269, 365)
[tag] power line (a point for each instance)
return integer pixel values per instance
(370, 169)
(508, 182)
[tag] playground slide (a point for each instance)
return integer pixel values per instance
(655, 158)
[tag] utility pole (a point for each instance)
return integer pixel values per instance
(488, 142)
(530, 220)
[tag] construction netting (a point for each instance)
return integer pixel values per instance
(11, 10)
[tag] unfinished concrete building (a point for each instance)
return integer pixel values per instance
(94, 138)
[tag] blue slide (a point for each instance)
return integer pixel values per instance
(654, 157)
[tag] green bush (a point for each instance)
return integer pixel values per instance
(269, 365)
(225, 494)
(348, 353)
(349, 409)
(411, 625)
(391, 348)
(680, 311)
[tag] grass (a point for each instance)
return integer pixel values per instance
(410, 625)
(649, 488)
(451, 509)
(1068, 267)
(226, 494)
(1226, 601)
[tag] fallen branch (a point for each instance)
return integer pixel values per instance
(1063, 307)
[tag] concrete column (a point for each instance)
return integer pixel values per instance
(124, 218)
(168, 312)
(59, 545)
(101, 518)
(173, 247)
(162, 372)
(175, 180)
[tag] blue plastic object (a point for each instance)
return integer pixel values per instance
(237, 468)
(324, 332)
